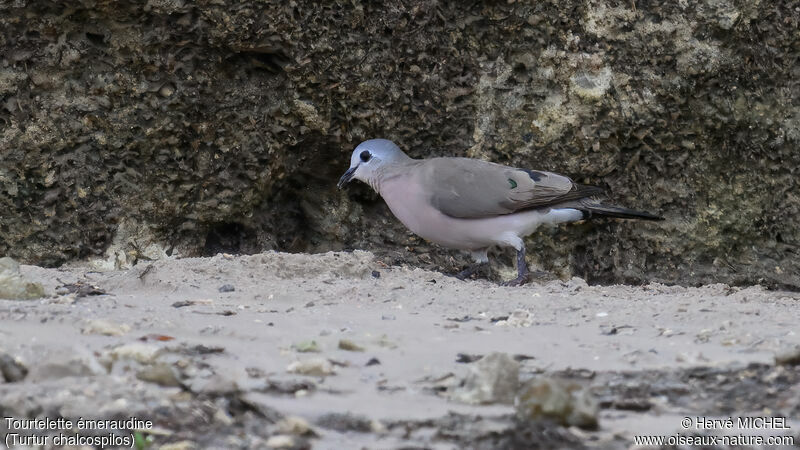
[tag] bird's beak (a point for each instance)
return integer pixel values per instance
(346, 177)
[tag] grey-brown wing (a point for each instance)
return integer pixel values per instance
(470, 188)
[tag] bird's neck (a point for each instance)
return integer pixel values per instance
(391, 172)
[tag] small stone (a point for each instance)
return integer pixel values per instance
(350, 346)
(492, 379)
(11, 370)
(575, 284)
(376, 426)
(223, 418)
(466, 358)
(227, 288)
(789, 357)
(280, 441)
(344, 422)
(167, 90)
(161, 374)
(184, 303)
(518, 318)
(141, 353)
(376, 274)
(13, 286)
(565, 402)
(105, 328)
(388, 317)
(373, 362)
(318, 367)
(295, 425)
(307, 347)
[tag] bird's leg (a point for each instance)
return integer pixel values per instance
(522, 270)
(466, 273)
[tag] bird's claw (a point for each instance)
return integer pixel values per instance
(519, 281)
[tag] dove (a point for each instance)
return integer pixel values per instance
(472, 205)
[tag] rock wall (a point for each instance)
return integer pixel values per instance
(131, 130)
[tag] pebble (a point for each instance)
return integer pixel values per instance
(227, 288)
(319, 367)
(13, 285)
(142, 353)
(161, 374)
(105, 328)
(519, 318)
(167, 90)
(492, 379)
(567, 403)
(11, 370)
(789, 357)
(350, 346)
(183, 303)
(295, 425)
(307, 347)
(280, 441)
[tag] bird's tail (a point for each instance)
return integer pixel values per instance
(600, 210)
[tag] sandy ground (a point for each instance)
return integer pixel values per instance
(213, 369)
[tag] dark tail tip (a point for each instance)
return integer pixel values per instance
(618, 212)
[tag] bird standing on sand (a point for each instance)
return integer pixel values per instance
(469, 204)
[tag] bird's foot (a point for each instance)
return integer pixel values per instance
(519, 281)
(535, 276)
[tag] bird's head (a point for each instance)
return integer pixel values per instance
(370, 158)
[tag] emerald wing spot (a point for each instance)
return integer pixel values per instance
(512, 183)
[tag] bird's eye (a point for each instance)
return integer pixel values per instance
(365, 156)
